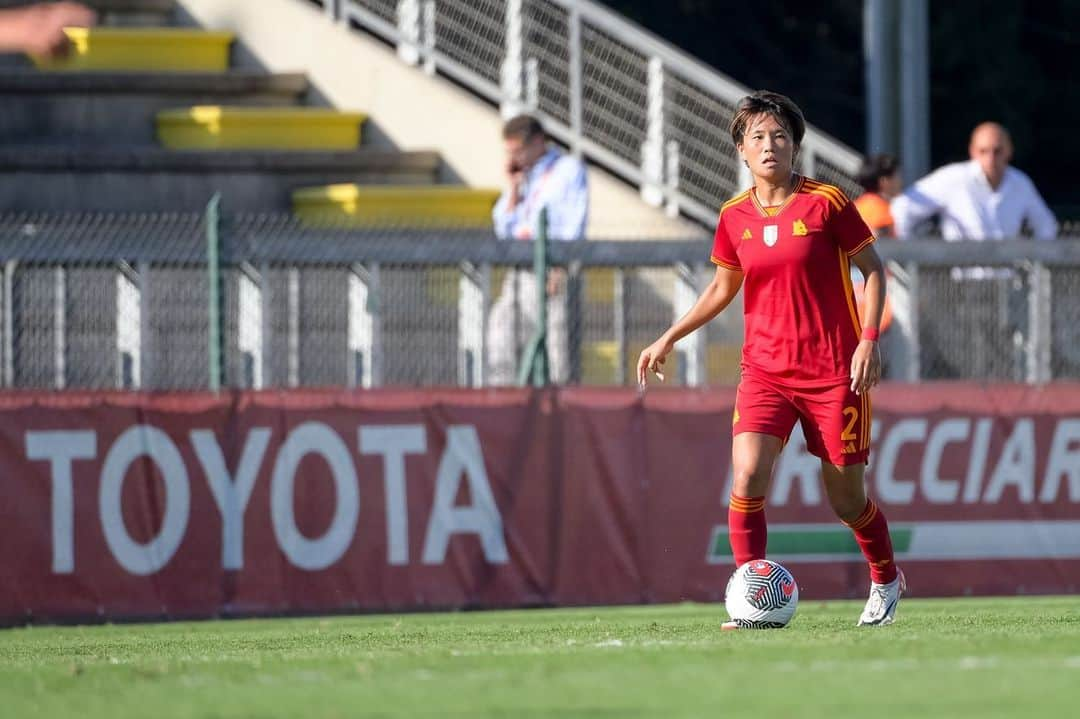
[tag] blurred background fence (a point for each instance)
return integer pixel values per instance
(128, 301)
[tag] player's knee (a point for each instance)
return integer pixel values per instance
(847, 505)
(750, 479)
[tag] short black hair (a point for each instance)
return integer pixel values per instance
(763, 102)
(875, 168)
(524, 127)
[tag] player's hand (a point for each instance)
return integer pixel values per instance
(652, 359)
(865, 366)
(41, 27)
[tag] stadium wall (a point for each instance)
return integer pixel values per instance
(408, 109)
(118, 506)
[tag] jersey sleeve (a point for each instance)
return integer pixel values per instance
(849, 228)
(723, 249)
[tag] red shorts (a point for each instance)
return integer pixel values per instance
(835, 420)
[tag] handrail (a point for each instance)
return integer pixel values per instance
(652, 152)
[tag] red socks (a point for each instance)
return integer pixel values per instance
(747, 531)
(872, 533)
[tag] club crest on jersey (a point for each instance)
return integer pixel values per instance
(798, 229)
(771, 233)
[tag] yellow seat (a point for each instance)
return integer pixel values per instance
(143, 49)
(398, 206)
(211, 127)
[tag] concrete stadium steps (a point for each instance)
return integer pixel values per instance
(358, 205)
(123, 13)
(134, 13)
(120, 107)
(161, 49)
(213, 127)
(151, 179)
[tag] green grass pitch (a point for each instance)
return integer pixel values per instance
(1017, 657)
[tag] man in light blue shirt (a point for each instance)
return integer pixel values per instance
(538, 176)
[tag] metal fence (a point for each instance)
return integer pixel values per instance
(604, 86)
(126, 301)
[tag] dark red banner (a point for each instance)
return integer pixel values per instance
(121, 505)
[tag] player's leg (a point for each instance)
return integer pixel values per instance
(762, 421)
(836, 422)
(845, 488)
(752, 458)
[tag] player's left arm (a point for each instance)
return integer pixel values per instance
(866, 362)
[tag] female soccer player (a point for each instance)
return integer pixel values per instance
(806, 356)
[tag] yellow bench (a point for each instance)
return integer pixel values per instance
(211, 127)
(395, 205)
(143, 49)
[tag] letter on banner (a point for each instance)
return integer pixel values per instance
(231, 495)
(936, 488)
(314, 554)
(61, 448)
(1063, 463)
(393, 442)
(463, 456)
(135, 442)
(1016, 465)
(892, 489)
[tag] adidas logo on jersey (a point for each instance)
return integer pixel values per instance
(849, 448)
(746, 234)
(798, 229)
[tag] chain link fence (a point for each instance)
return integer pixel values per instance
(124, 301)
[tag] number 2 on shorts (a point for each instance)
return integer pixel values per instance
(853, 416)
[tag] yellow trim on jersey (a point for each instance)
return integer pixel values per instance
(861, 246)
(849, 291)
(725, 265)
(869, 420)
(735, 200)
(831, 190)
(777, 209)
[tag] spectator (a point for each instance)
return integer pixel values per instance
(880, 177)
(537, 176)
(38, 29)
(982, 199)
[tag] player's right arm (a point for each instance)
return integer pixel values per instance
(718, 295)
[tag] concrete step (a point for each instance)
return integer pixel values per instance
(359, 205)
(216, 127)
(124, 13)
(151, 179)
(159, 49)
(120, 107)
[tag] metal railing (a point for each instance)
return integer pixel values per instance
(125, 301)
(608, 89)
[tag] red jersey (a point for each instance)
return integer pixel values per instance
(801, 325)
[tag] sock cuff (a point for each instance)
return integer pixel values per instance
(746, 505)
(868, 515)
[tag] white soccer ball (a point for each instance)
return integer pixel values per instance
(761, 595)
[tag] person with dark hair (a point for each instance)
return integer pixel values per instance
(880, 177)
(38, 29)
(538, 176)
(807, 355)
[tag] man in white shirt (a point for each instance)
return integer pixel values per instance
(538, 176)
(982, 199)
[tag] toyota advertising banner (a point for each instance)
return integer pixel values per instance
(125, 506)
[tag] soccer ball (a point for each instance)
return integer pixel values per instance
(761, 595)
